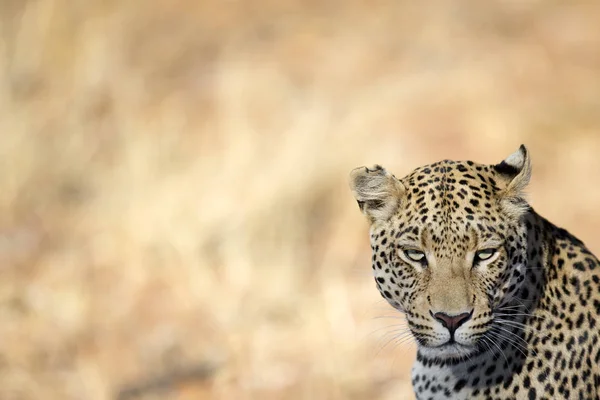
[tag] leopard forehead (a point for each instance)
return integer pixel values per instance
(452, 186)
(453, 200)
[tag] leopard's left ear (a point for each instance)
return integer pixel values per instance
(515, 171)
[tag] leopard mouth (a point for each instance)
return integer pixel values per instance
(451, 350)
(451, 344)
(448, 344)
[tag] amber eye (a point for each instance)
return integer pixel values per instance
(415, 255)
(484, 254)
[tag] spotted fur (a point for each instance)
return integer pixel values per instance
(521, 323)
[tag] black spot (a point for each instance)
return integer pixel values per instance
(579, 265)
(506, 169)
(459, 385)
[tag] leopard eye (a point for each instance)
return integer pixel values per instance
(415, 255)
(484, 254)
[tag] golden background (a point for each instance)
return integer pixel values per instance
(175, 219)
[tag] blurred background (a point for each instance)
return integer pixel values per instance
(175, 220)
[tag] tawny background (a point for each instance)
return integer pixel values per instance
(174, 210)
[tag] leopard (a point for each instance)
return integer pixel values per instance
(502, 304)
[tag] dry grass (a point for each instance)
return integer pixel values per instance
(174, 212)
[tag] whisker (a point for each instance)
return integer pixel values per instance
(398, 326)
(519, 315)
(489, 342)
(403, 351)
(523, 304)
(400, 329)
(398, 317)
(510, 332)
(495, 335)
(483, 341)
(499, 348)
(524, 346)
(516, 324)
(391, 340)
(506, 306)
(402, 341)
(510, 342)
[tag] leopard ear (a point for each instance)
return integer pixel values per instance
(377, 192)
(515, 172)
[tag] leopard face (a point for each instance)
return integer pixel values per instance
(449, 247)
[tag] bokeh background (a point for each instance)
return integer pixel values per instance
(175, 220)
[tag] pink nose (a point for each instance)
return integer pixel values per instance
(452, 322)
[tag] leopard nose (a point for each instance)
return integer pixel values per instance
(452, 322)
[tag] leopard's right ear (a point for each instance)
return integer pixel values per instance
(377, 192)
